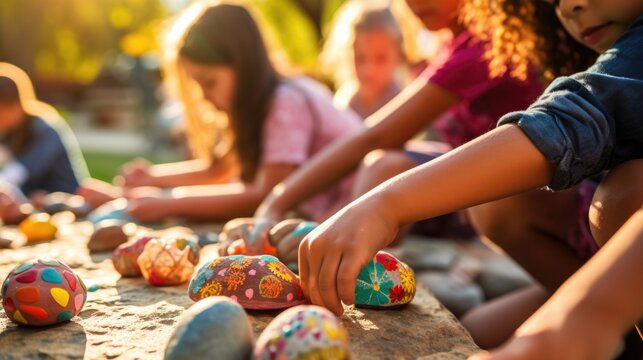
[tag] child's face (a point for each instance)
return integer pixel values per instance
(216, 81)
(377, 55)
(11, 115)
(436, 14)
(597, 23)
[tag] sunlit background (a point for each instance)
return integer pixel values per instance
(97, 62)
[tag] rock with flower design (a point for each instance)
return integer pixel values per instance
(125, 256)
(247, 236)
(168, 261)
(256, 282)
(385, 282)
(42, 292)
(213, 328)
(303, 332)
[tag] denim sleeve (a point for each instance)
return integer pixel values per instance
(570, 126)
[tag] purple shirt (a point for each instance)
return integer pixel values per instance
(462, 69)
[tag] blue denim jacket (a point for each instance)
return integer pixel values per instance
(593, 120)
(53, 162)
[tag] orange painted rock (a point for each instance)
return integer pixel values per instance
(42, 292)
(303, 332)
(256, 282)
(385, 282)
(168, 261)
(125, 256)
(38, 227)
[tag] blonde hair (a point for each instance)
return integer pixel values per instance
(337, 58)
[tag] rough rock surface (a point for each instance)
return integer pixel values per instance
(127, 318)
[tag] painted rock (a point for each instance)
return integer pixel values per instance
(125, 256)
(213, 328)
(385, 282)
(112, 210)
(109, 234)
(38, 227)
(303, 332)
(256, 282)
(42, 292)
(168, 261)
(247, 236)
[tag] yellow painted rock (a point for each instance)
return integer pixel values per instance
(38, 227)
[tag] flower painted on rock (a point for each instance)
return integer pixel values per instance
(373, 285)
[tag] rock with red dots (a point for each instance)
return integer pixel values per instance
(303, 332)
(385, 282)
(42, 292)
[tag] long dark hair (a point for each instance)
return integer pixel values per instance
(226, 34)
(523, 32)
(18, 138)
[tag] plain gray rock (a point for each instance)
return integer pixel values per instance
(213, 328)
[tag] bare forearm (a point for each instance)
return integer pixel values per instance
(215, 202)
(192, 172)
(608, 288)
(501, 163)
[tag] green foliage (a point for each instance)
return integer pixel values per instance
(72, 39)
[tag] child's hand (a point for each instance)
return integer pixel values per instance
(136, 173)
(148, 209)
(253, 231)
(331, 256)
(97, 192)
(287, 235)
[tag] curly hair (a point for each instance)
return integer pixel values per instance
(525, 32)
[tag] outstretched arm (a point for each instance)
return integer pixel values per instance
(501, 163)
(182, 173)
(390, 127)
(588, 315)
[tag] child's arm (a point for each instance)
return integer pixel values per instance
(182, 173)
(212, 202)
(501, 163)
(588, 315)
(390, 127)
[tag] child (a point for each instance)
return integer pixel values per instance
(562, 328)
(456, 94)
(365, 52)
(271, 124)
(40, 152)
(580, 126)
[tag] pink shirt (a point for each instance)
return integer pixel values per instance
(461, 69)
(302, 121)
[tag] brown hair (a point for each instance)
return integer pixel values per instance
(525, 32)
(18, 138)
(226, 34)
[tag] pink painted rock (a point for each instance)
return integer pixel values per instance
(125, 256)
(385, 282)
(168, 261)
(42, 292)
(303, 332)
(256, 282)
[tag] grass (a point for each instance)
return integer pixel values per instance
(104, 166)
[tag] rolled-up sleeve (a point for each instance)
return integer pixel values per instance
(572, 129)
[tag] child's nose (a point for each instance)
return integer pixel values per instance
(570, 8)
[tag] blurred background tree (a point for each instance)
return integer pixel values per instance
(73, 40)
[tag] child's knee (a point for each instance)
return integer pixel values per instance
(618, 196)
